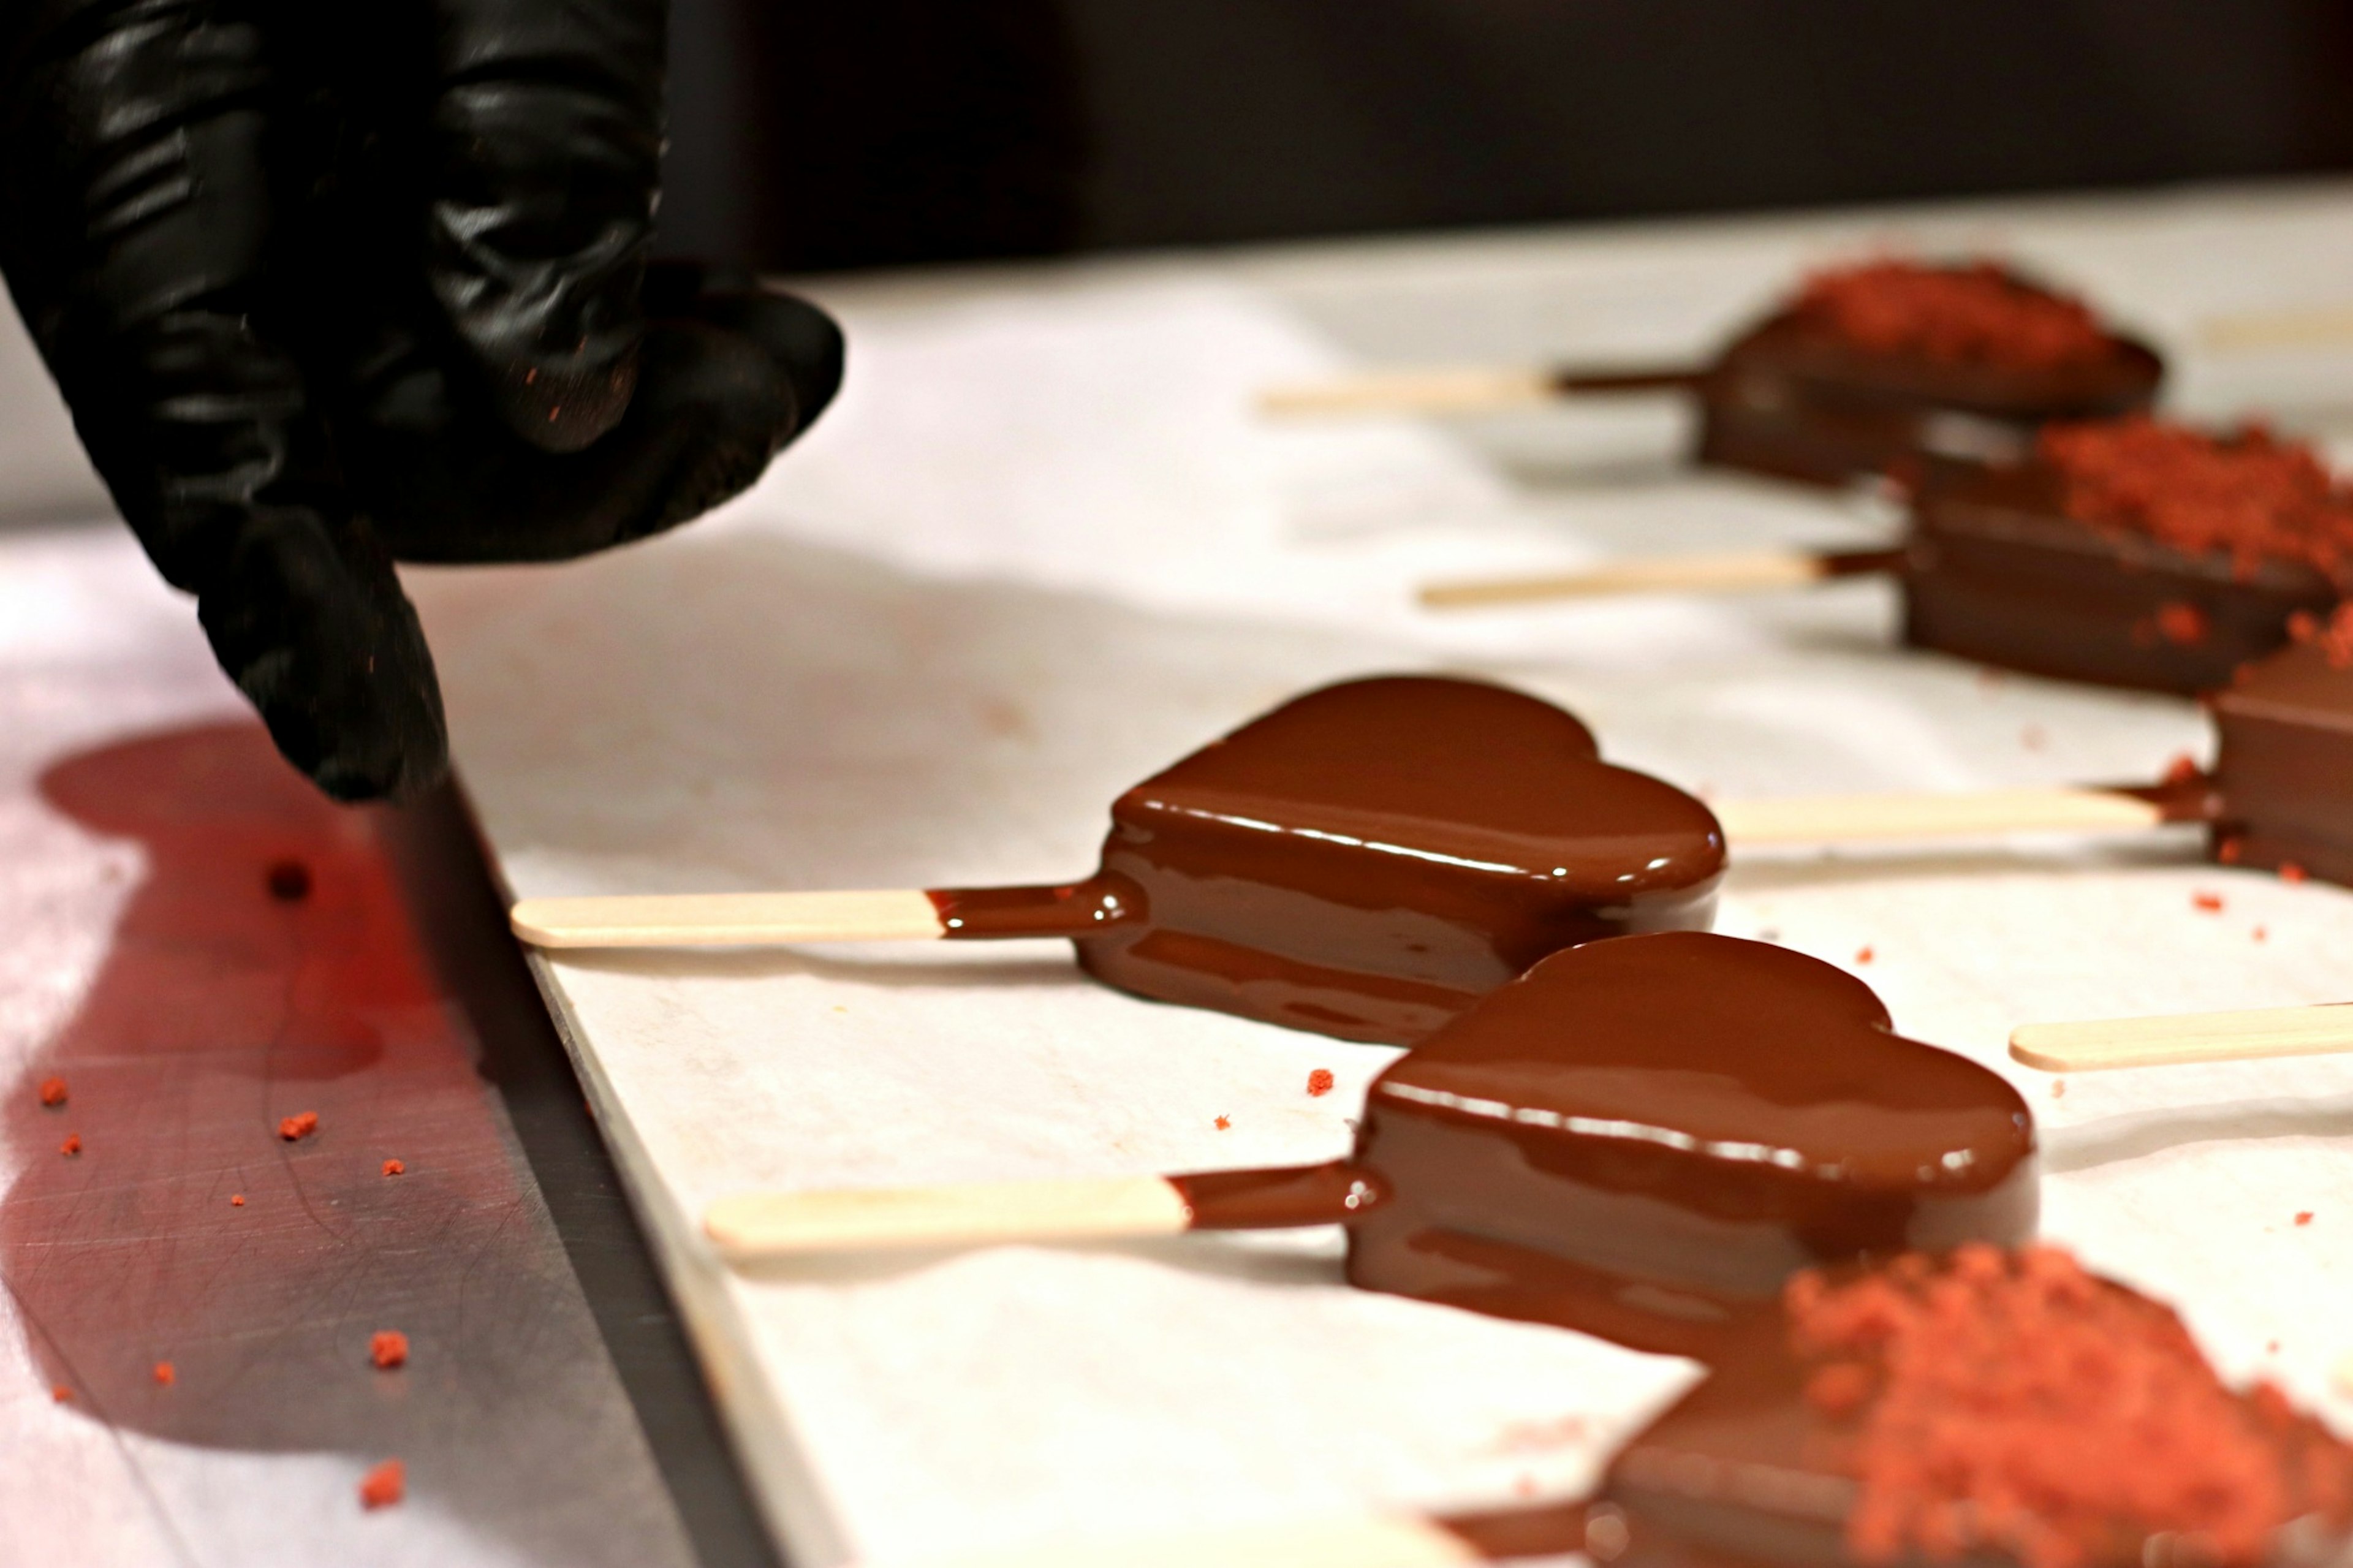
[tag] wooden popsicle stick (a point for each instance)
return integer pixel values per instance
(722, 919)
(755, 1226)
(2092, 1045)
(1466, 390)
(1736, 572)
(2303, 326)
(1837, 818)
(1376, 1540)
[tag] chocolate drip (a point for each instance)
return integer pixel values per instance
(1572, 380)
(1332, 1194)
(1859, 563)
(1079, 910)
(2192, 797)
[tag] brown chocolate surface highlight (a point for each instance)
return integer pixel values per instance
(1370, 858)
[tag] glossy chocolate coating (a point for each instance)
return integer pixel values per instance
(1792, 398)
(2284, 775)
(1994, 571)
(1644, 1138)
(1371, 858)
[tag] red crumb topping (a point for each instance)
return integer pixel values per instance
(388, 1348)
(1224, 1122)
(53, 1091)
(394, 1168)
(2211, 904)
(72, 1145)
(2182, 624)
(2249, 496)
(2228, 850)
(2289, 871)
(237, 1200)
(1977, 312)
(62, 1395)
(165, 1373)
(2334, 637)
(2303, 1217)
(2014, 1404)
(384, 1485)
(300, 1125)
(1863, 954)
(1319, 1082)
(2183, 769)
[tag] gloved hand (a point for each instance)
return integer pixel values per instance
(329, 283)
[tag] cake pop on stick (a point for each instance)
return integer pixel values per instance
(1642, 1138)
(1867, 363)
(2130, 552)
(1365, 861)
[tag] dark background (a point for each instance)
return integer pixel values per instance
(814, 134)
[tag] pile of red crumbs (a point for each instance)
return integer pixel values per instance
(2251, 496)
(2015, 1403)
(1977, 313)
(2333, 636)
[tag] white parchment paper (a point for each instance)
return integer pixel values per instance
(1041, 548)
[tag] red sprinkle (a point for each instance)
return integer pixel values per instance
(384, 1485)
(2211, 904)
(2058, 1088)
(2228, 850)
(1863, 954)
(237, 1200)
(1977, 313)
(1224, 1122)
(300, 1125)
(1319, 1082)
(2248, 495)
(164, 1374)
(388, 1348)
(2011, 1404)
(2262, 934)
(72, 1145)
(394, 1168)
(62, 1395)
(2334, 637)
(2182, 624)
(2183, 769)
(53, 1091)
(2289, 871)
(2304, 1217)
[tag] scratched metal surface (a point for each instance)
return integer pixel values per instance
(144, 958)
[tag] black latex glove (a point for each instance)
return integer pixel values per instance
(329, 283)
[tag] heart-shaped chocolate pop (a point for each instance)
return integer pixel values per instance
(1369, 859)
(1643, 1138)
(1647, 1138)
